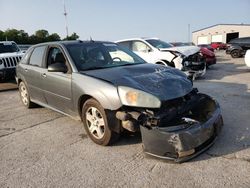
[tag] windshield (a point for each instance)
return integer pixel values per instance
(159, 44)
(89, 56)
(8, 47)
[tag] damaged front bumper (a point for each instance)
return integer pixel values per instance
(194, 66)
(181, 130)
(181, 145)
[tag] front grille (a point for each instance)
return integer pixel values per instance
(10, 62)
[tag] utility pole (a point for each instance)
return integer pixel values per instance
(66, 20)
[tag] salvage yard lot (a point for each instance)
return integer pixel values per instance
(42, 148)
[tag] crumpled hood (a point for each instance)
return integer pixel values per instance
(162, 82)
(186, 50)
(13, 54)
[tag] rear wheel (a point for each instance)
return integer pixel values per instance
(24, 94)
(96, 124)
(235, 53)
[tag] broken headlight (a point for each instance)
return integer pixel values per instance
(137, 98)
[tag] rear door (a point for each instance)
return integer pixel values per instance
(57, 85)
(144, 51)
(32, 74)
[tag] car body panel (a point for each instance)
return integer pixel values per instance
(160, 81)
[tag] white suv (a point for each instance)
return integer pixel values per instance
(153, 50)
(10, 55)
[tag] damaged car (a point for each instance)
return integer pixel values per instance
(153, 50)
(111, 89)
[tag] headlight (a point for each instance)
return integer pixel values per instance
(134, 97)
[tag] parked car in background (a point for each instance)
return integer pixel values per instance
(153, 50)
(208, 46)
(238, 47)
(10, 55)
(247, 58)
(209, 56)
(24, 47)
(219, 46)
(111, 89)
(182, 43)
(206, 50)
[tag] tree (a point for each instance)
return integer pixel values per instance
(1, 35)
(54, 37)
(42, 34)
(74, 36)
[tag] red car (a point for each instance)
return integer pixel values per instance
(218, 45)
(209, 56)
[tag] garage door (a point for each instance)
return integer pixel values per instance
(203, 40)
(216, 38)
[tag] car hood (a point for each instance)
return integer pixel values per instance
(186, 50)
(162, 82)
(13, 54)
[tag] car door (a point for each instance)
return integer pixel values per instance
(143, 50)
(32, 74)
(57, 85)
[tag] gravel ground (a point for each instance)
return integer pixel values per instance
(42, 148)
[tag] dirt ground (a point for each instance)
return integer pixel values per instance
(42, 148)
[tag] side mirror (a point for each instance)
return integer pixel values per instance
(57, 67)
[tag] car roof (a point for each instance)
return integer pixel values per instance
(69, 42)
(137, 38)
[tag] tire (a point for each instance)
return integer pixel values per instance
(25, 96)
(95, 122)
(235, 53)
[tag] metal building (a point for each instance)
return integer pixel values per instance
(220, 33)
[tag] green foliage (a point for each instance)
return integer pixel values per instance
(74, 36)
(21, 37)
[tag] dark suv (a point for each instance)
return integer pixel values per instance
(238, 47)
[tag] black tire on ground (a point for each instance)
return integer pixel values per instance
(95, 122)
(235, 53)
(25, 96)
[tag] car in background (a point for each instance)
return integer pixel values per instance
(219, 46)
(208, 46)
(247, 58)
(10, 55)
(24, 47)
(111, 89)
(209, 56)
(206, 51)
(153, 50)
(238, 47)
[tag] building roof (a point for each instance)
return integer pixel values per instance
(220, 24)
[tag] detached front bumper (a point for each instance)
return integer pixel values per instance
(181, 145)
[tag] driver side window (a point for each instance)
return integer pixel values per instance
(55, 55)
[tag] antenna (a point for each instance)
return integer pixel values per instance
(65, 16)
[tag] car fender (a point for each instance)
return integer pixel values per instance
(104, 92)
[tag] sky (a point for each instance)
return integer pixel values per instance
(112, 20)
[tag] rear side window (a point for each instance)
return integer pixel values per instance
(36, 57)
(125, 44)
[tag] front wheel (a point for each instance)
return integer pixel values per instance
(96, 124)
(235, 54)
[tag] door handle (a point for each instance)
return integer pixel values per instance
(26, 70)
(44, 75)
